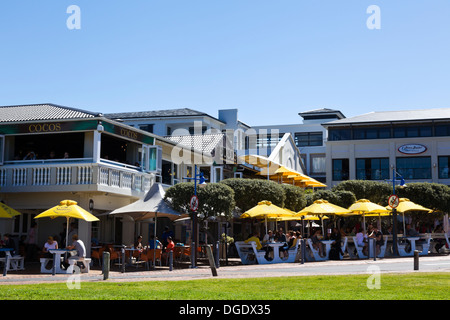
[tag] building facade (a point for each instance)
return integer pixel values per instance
(415, 143)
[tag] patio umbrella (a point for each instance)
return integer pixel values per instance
(7, 212)
(322, 207)
(364, 207)
(151, 206)
(406, 205)
(68, 209)
(265, 209)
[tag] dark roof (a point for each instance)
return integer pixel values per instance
(46, 111)
(395, 116)
(321, 112)
(184, 112)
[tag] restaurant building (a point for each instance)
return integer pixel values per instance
(416, 143)
(50, 153)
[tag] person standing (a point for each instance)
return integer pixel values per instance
(31, 243)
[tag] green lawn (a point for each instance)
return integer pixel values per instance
(411, 286)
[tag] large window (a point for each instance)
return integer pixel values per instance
(318, 163)
(340, 169)
(372, 169)
(412, 131)
(414, 167)
(339, 134)
(308, 139)
(443, 167)
(372, 133)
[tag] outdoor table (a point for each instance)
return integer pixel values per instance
(327, 244)
(131, 250)
(57, 253)
(401, 250)
(276, 250)
(4, 260)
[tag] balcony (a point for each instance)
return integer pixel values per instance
(74, 175)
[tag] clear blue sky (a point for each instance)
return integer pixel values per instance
(270, 59)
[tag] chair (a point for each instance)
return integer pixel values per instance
(157, 253)
(343, 247)
(98, 254)
(114, 255)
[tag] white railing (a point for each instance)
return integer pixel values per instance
(65, 175)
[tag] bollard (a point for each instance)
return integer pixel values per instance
(217, 255)
(416, 259)
(5, 267)
(193, 249)
(170, 260)
(54, 264)
(106, 264)
(302, 248)
(123, 260)
(374, 243)
(211, 260)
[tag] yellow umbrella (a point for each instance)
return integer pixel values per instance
(364, 207)
(322, 207)
(7, 212)
(406, 205)
(68, 209)
(265, 209)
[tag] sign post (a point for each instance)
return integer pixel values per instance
(393, 203)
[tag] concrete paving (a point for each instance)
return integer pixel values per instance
(438, 263)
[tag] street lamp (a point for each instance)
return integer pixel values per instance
(394, 211)
(202, 183)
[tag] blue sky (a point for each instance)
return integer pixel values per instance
(269, 59)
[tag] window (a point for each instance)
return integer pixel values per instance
(318, 164)
(372, 133)
(442, 130)
(2, 144)
(412, 132)
(151, 158)
(308, 139)
(372, 169)
(340, 169)
(166, 172)
(414, 167)
(339, 134)
(443, 167)
(193, 131)
(146, 127)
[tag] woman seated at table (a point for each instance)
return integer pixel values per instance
(138, 244)
(317, 236)
(49, 245)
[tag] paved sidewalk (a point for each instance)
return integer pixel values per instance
(388, 265)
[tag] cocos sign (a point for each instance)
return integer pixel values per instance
(412, 148)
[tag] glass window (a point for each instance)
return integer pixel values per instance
(414, 167)
(308, 139)
(166, 172)
(318, 164)
(340, 169)
(339, 134)
(372, 169)
(442, 130)
(443, 167)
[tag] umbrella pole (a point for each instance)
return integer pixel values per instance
(404, 228)
(321, 222)
(67, 231)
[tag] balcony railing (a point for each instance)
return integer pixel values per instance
(73, 175)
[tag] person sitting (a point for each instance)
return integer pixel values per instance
(317, 236)
(439, 243)
(138, 244)
(335, 245)
(255, 238)
(268, 237)
(8, 243)
(78, 245)
(151, 243)
(49, 245)
(378, 236)
(361, 241)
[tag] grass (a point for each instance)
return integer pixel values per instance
(419, 286)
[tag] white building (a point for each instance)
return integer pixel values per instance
(416, 143)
